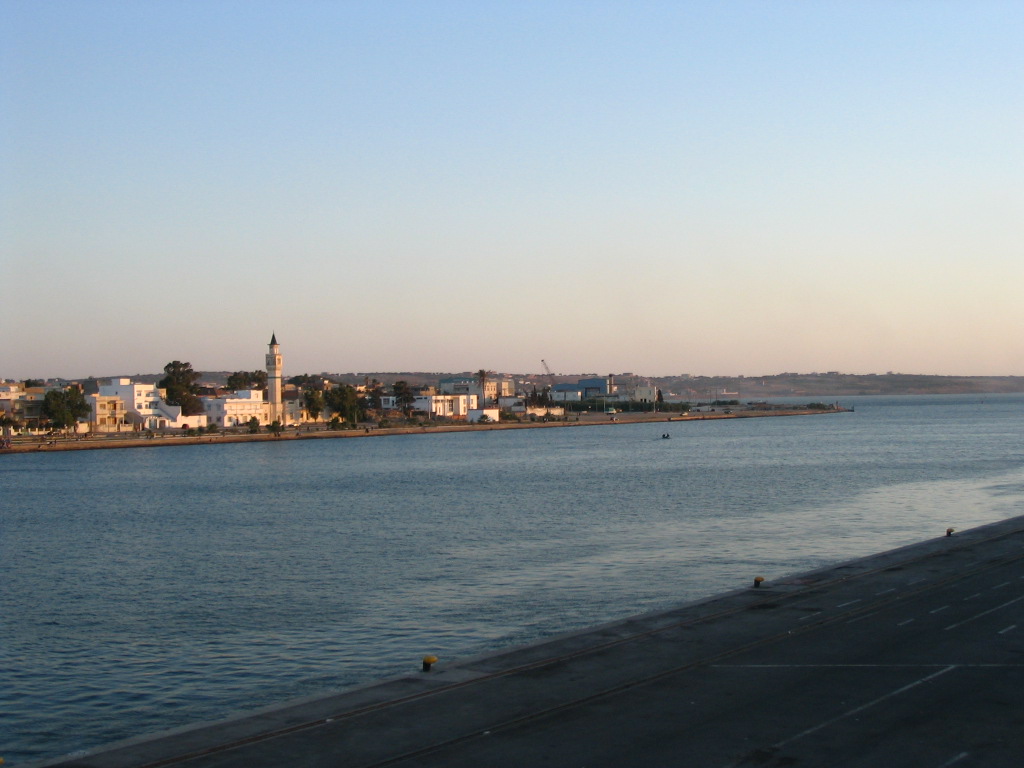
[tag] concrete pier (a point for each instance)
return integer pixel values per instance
(913, 657)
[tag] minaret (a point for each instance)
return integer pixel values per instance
(274, 380)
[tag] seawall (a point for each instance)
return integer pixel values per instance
(911, 657)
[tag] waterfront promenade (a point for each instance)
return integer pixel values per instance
(321, 432)
(913, 657)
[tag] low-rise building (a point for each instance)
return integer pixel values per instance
(293, 408)
(25, 405)
(237, 409)
(644, 395)
(482, 414)
(446, 406)
(597, 387)
(145, 407)
(566, 393)
(470, 385)
(518, 407)
(107, 413)
(437, 406)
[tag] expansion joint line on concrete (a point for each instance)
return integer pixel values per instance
(928, 585)
(867, 705)
(851, 712)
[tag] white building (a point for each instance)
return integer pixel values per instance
(483, 414)
(518, 407)
(446, 406)
(237, 409)
(438, 406)
(645, 395)
(292, 408)
(145, 407)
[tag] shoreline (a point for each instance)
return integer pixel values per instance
(104, 441)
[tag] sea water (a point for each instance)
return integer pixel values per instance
(145, 589)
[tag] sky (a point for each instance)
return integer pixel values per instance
(711, 188)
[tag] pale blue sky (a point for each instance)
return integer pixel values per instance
(660, 187)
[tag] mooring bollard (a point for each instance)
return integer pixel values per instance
(428, 662)
(758, 580)
(949, 531)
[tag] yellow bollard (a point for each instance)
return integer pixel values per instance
(758, 580)
(949, 531)
(428, 662)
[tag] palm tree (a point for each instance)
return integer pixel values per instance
(481, 379)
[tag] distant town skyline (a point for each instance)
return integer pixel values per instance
(735, 188)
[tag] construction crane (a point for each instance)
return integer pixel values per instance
(547, 371)
(550, 375)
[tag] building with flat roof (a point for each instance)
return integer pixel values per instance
(145, 407)
(236, 409)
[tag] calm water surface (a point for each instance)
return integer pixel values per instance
(148, 589)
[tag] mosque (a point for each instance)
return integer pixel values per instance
(235, 409)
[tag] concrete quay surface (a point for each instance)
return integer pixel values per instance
(913, 657)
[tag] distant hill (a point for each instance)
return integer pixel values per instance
(837, 384)
(750, 387)
(702, 387)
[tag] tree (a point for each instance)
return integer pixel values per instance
(537, 399)
(7, 423)
(374, 392)
(247, 380)
(64, 407)
(404, 398)
(254, 425)
(313, 401)
(343, 401)
(181, 384)
(29, 383)
(239, 380)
